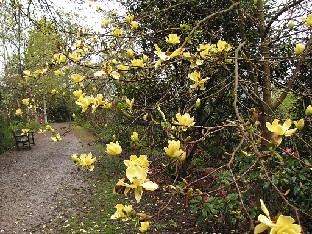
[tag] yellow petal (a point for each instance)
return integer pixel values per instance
(287, 123)
(265, 220)
(138, 194)
(284, 220)
(261, 227)
(149, 185)
(264, 209)
(290, 132)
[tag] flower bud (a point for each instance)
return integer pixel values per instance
(299, 48)
(300, 124)
(308, 111)
(291, 25)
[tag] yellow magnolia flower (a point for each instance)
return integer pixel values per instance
(300, 124)
(137, 63)
(78, 93)
(283, 225)
(299, 48)
(18, 112)
(115, 75)
(134, 25)
(145, 58)
(173, 39)
(195, 76)
(24, 131)
(87, 161)
(58, 73)
(75, 57)
(122, 212)
(173, 150)
(137, 161)
(54, 91)
(129, 18)
(41, 131)
(130, 53)
(59, 58)
(308, 20)
(25, 101)
(57, 137)
(117, 32)
(123, 69)
(134, 136)
(27, 73)
(130, 103)
(162, 55)
(105, 23)
(49, 128)
(281, 130)
(137, 176)
(308, 111)
(145, 226)
(75, 158)
(185, 120)
(113, 148)
(223, 46)
(176, 53)
(76, 78)
(84, 102)
(197, 104)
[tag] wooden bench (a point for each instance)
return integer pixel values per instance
(23, 139)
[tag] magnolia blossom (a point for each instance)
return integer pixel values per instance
(59, 58)
(58, 73)
(138, 181)
(300, 124)
(105, 23)
(19, 112)
(299, 48)
(280, 130)
(113, 148)
(195, 76)
(122, 212)
(223, 46)
(76, 78)
(135, 137)
(137, 63)
(134, 25)
(130, 53)
(173, 150)
(87, 161)
(308, 20)
(129, 18)
(57, 137)
(308, 111)
(173, 39)
(185, 120)
(25, 101)
(123, 69)
(284, 224)
(145, 226)
(137, 161)
(117, 32)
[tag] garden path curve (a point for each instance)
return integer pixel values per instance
(34, 184)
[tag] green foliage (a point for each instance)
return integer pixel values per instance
(6, 136)
(219, 213)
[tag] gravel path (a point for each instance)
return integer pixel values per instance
(36, 186)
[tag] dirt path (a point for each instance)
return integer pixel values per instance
(35, 183)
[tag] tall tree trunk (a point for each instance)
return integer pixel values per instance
(266, 104)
